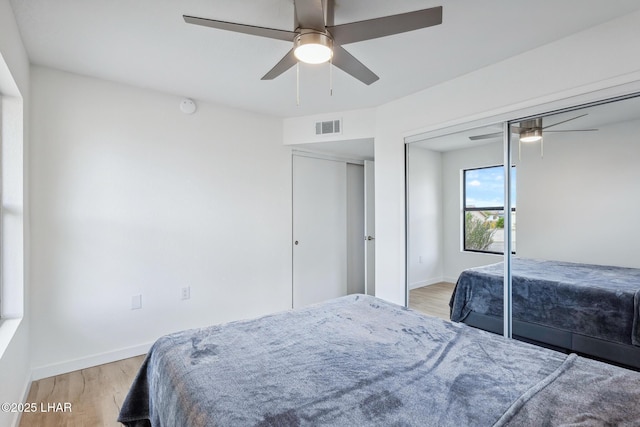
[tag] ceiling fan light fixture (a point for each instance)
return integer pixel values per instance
(313, 48)
(531, 135)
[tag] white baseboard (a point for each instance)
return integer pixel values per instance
(25, 395)
(87, 362)
(422, 283)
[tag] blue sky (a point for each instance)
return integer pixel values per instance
(485, 187)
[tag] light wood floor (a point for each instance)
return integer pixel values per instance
(432, 299)
(95, 394)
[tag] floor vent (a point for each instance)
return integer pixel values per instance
(329, 127)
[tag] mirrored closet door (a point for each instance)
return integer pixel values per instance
(574, 270)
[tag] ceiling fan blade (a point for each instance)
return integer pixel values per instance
(386, 26)
(485, 136)
(564, 121)
(288, 61)
(350, 65)
(310, 14)
(514, 130)
(271, 33)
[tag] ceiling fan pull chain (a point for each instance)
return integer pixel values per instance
(542, 148)
(297, 84)
(330, 77)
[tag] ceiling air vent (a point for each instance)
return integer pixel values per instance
(329, 127)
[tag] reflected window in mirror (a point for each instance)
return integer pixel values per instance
(483, 213)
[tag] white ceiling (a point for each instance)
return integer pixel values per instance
(147, 44)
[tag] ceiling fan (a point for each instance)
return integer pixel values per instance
(531, 130)
(316, 39)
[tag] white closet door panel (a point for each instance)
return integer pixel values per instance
(355, 229)
(319, 230)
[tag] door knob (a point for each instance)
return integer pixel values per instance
(370, 238)
(295, 243)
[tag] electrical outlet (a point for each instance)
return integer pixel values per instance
(186, 292)
(136, 302)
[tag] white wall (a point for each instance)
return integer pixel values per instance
(425, 215)
(579, 202)
(131, 196)
(14, 334)
(596, 59)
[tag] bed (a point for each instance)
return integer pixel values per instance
(361, 361)
(589, 309)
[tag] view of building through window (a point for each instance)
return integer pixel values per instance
(483, 219)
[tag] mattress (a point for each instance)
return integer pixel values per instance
(601, 302)
(361, 361)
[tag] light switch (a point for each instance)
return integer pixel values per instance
(136, 302)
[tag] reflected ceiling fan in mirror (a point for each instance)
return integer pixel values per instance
(317, 40)
(532, 130)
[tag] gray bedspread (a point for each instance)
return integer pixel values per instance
(593, 300)
(359, 361)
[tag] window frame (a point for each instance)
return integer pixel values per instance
(465, 209)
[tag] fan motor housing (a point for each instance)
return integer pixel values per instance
(313, 47)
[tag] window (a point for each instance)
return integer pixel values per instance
(11, 207)
(11, 202)
(483, 212)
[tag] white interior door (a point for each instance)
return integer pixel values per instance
(355, 229)
(370, 229)
(319, 230)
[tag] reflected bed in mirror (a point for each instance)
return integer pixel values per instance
(583, 308)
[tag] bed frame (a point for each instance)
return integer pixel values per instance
(561, 340)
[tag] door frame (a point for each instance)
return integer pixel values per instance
(320, 156)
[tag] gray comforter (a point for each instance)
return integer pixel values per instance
(359, 361)
(593, 300)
